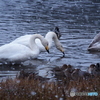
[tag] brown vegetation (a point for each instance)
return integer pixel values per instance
(33, 87)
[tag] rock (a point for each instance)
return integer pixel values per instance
(94, 69)
(77, 73)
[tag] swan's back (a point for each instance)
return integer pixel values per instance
(95, 44)
(24, 40)
(95, 40)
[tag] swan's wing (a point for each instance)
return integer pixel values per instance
(95, 40)
(24, 40)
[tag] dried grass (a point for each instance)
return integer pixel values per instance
(39, 89)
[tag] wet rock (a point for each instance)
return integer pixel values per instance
(57, 69)
(30, 76)
(59, 73)
(77, 73)
(97, 67)
(64, 67)
(63, 71)
(94, 69)
(69, 69)
(22, 74)
(67, 73)
(91, 69)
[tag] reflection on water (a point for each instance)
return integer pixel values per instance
(78, 20)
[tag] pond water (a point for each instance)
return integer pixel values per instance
(78, 21)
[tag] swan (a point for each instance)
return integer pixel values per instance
(95, 44)
(14, 52)
(50, 37)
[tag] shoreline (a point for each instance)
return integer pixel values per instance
(30, 86)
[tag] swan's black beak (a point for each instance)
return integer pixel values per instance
(63, 52)
(47, 49)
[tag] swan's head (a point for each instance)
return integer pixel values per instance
(60, 47)
(45, 44)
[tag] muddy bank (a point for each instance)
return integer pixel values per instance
(66, 71)
(30, 86)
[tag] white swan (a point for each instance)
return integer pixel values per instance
(95, 44)
(50, 37)
(19, 52)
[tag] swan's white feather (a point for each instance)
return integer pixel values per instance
(95, 44)
(21, 50)
(50, 36)
(17, 52)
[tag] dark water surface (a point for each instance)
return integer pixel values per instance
(78, 20)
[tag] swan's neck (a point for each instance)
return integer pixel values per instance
(50, 37)
(33, 45)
